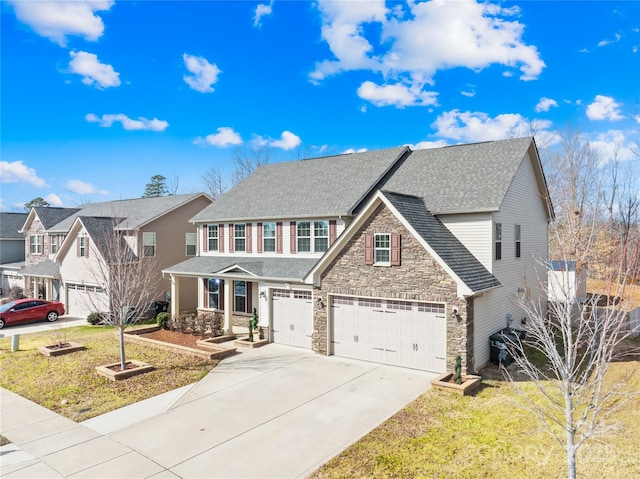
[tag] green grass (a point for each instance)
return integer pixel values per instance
(443, 435)
(72, 379)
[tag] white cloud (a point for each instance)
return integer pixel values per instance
(397, 94)
(604, 43)
(614, 144)
(226, 136)
(53, 199)
(545, 104)
(203, 73)
(353, 150)
(413, 45)
(637, 118)
(83, 188)
(262, 10)
(426, 145)
(604, 108)
(287, 141)
(93, 72)
(57, 19)
(478, 126)
(140, 123)
(18, 172)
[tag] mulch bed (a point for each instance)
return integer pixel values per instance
(175, 337)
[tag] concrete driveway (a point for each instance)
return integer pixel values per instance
(271, 412)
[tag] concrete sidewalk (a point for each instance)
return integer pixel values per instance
(270, 412)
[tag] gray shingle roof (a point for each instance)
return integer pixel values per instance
(283, 268)
(44, 269)
(328, 186)
(137, 211)
(100, 231)
(443, 242)
(463, 178)
(11, 224)
(51, 216)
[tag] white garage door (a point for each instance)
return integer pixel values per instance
(400, 333)
(292, 317)
(82, 300)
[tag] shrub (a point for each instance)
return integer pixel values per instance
(162, 320)
(16, 292)
(216, 323)
(95, 317)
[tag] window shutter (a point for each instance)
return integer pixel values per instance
(205, 297)
(221, 238)
(232, 237)
(86, 247)
(221, 296)
(78, 247)
(332, 232)
(247, 241)
(368, 249)
(205, 238)
(249, 297)
(292, 234)
(279, 237)
(259, 235)
(395, 250)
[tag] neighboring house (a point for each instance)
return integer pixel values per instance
(401, 257)
(11, 251)
(61, 252)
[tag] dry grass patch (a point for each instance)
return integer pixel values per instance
(70, 386)
(443, 435)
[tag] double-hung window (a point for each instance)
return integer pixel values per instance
(213, 293)
(83, 246)
(313, 236)
(239, 237)
(54, 244)
(497, 236)
(517, 232)
(382, 249)
(240, 296)
(212, 237)
(191, 241)
(269, 237)
(149, 244)
(36, 244)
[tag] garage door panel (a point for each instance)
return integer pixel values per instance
(292, 317)
(408, 334)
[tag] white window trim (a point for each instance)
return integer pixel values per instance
(270, 238)
(236, 237)
(376, 249)
(193, 243)
(211, 237)
(145, 245)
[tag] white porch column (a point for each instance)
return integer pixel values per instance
(175, 296)
(228, 305)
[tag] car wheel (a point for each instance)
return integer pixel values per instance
(52, 316)
(1, 323)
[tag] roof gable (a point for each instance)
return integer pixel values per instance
(328, 186)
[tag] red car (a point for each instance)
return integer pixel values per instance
(23, 310)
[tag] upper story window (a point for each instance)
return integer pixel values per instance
(191, 244)
(517, 232)
(382, 249)
(269, 237)
(212, 237)
(313, 236)
(36, 244)
(149, 244)
(83, 246)
(497, 237)
(239, 237)
(56, 241)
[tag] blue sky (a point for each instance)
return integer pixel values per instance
(99, 96)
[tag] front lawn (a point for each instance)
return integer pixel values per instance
(442, 435)
(69, 384)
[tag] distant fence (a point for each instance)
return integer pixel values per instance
(633, 322)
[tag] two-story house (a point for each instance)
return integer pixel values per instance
(62, 245)
(402, 257)
(12, 257)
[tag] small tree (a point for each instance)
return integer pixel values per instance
(36, 202)
(157, 187)
(578, 341)
(130, 280)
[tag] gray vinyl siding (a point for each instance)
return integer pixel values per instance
(492, 308)
(11, 250)
(171, 230)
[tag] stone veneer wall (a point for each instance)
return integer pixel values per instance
(418, 278)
